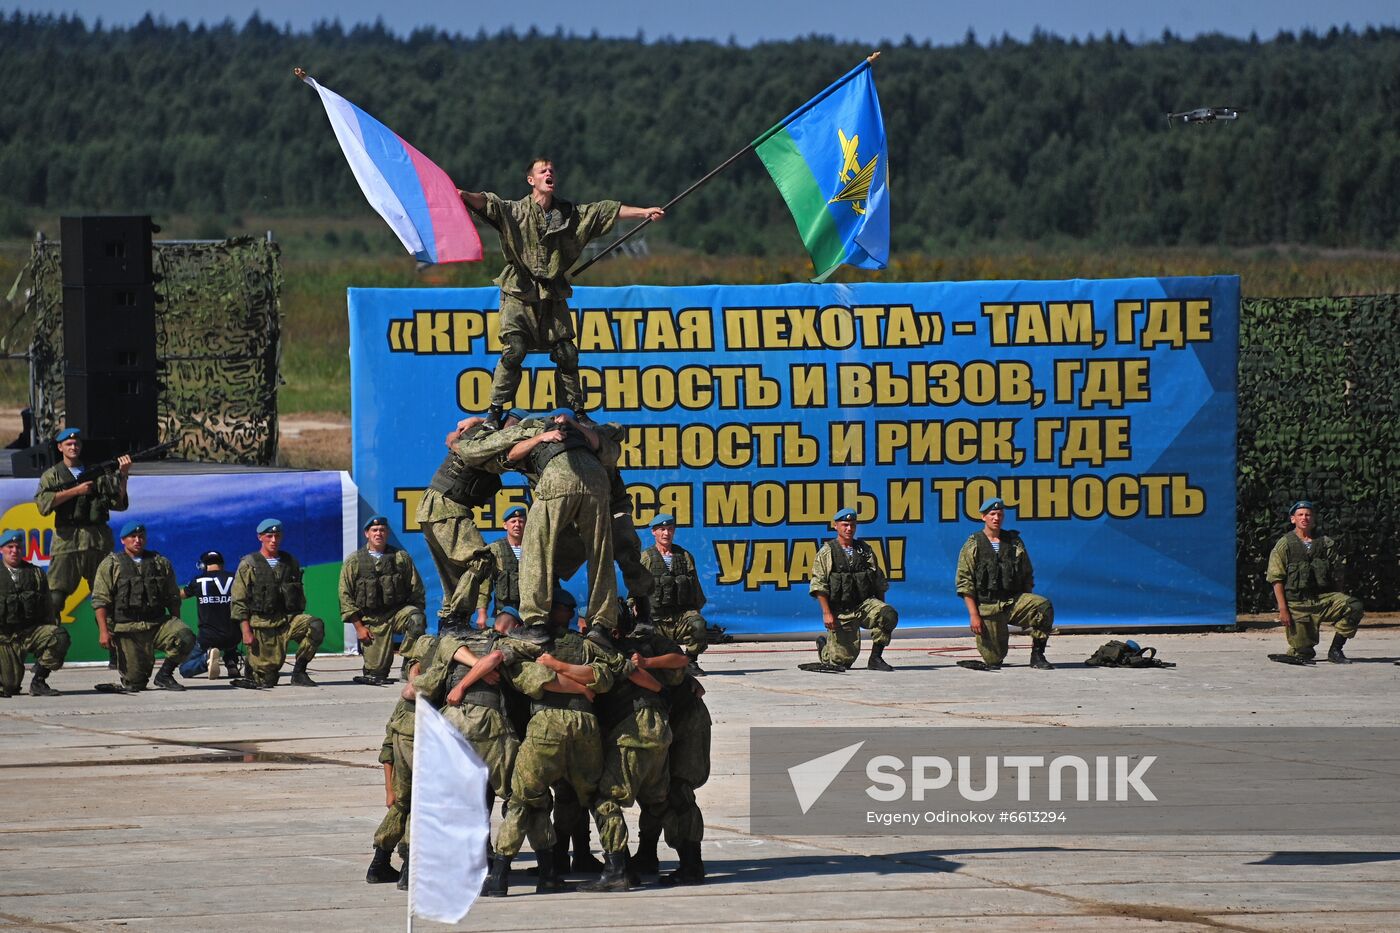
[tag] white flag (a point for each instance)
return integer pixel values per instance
(449, 823)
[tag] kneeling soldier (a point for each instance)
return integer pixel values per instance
(381, 595)
(1308, 576)
(676, 596)
(848, 584)
(995, 580)
(137, 602)
(27, 622)
(269, 602)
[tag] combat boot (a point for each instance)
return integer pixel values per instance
(692, 665)
(165, 677)
(877, 660)
(381, 870)
(370, 680)
(547, 879)
(691, 869)
(1334, 653)
(614, 874)
(584, 862)
(300, 678)
(403, 872)
(1038, 657)
(495, 417)
(645, 861)
(498, 877)
(39, 683)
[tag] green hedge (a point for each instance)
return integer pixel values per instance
(1319, 419)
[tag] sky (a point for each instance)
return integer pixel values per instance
(747, 21)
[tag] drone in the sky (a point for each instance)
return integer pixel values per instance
(1203, 115)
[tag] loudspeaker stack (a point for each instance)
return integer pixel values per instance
(109, 333)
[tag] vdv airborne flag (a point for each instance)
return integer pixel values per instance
(414, 196)
(830, 162)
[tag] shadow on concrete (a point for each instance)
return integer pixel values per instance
(922, 861)
(1327, 858)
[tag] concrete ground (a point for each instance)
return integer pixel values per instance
(219, 810)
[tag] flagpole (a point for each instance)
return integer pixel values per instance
(870, 60)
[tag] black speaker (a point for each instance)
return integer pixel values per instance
(106, 250)
(109, 328)
(120, 405)
(33, 461)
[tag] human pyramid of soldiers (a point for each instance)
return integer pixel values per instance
(574, 710)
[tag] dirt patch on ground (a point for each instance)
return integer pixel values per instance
(315, 441)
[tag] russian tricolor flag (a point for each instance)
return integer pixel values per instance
(414, 196)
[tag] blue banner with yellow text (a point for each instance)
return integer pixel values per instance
(1103, 412)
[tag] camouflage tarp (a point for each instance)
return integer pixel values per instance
(218, 346)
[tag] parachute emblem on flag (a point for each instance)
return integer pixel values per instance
(854, 178)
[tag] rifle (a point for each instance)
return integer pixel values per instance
(110, 466)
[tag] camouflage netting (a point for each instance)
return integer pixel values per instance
(1319, 419)
(217, 345)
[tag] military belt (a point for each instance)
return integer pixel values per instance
(484, 696)
(572, 701)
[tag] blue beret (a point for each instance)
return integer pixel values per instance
(373, 520)
(513, 511)
(992, 504)
(560, 411)
(269, 524)
(14, 536)
(519, 414)
(563, 597)
(662, 519)
(845, 515)
(1300, 504)
(509, 611)
(131, 528)
(67, 433)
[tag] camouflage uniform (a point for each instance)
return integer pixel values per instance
(81, 536)
(540, 247)
(570, 555)
(676, 598)
(853, 585)
(1313, 579)
(27, 625)
(273, 601)
(445, 515)
(571, 487)
(386, 593)
(142, 601)
(1001, 582)
(481, 718)
(505, 586)
(637, 724)
(688, 764)
(562, 743)
(397, 750)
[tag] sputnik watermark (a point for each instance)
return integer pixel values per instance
(1113, 778)
(831, 781)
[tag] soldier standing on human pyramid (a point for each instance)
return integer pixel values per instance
(542, 236)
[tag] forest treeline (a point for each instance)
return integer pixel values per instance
(1047, 140)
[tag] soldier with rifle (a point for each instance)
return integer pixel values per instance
(81, 500)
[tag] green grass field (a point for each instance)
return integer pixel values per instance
(322, 258)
